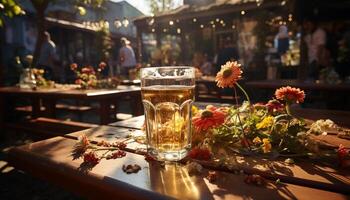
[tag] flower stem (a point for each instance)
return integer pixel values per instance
(244, 92)
(288, 109)
(242, 129)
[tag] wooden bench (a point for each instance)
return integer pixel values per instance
(48, 127)
(65, 107)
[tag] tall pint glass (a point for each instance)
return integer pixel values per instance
(167, 96)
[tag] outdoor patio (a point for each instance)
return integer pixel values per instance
(175, 99)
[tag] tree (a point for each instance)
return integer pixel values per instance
(8, 9)
(41, 7)
(158, 6)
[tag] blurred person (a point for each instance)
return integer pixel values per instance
(47, 59)
(127, 57)
(282, 40)
(197, 59)
(315, 40)
(228, 53)
(206, 66)
(343, 56)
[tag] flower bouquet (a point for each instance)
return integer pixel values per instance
(40, 80)
(88, 78)
(262, 129)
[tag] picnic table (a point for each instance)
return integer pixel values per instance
(49, 96)
(50, 160)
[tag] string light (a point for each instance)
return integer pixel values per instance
(177, 21)
(242, 12)
(211, 22)
(259, 2)
(117, 23)
(202, 26)
(222, 22)
(171, 22)
(283, 3)
(178, 30)
(153, 30)
(151, 22)
(213, 25)
(233, 26)
(194, 20)
(125, 22)
(217, 19)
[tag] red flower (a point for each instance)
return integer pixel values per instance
(82, 144)
(149, 158)
(118, 154)
(200, 153)
(290, 94)
(73, 66)
(342, 154)
(88, 70)
(229, 74)
(211, 117)
(275, 106)
(120, 145)
(102, 65)
(78, 81)
(91, 158)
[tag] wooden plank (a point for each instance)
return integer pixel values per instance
(49, 127)
(135, 122)
(311, 174)
(50, 160)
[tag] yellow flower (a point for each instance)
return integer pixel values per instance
(256, 140)
(266, 146)
(265, 123)
(194, 110)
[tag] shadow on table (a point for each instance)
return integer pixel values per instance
(173, 180)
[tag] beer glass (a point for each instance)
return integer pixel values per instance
(167, 96)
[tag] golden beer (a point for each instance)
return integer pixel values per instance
(168, 119)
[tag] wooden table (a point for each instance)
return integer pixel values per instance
(136, 82)
(213, 92)
(50, 160)
(305, 85)
(333, 96)
(49, 97)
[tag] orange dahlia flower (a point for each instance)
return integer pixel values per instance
(211, 117)
(290, 94)
(229, 74)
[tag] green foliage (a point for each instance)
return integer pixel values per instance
(253, 125)
(9, 8)
(158, 6)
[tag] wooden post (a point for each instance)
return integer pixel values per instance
(139, 45)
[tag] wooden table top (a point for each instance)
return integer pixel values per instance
(274, 84)
(50, 159)
(69, 92)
